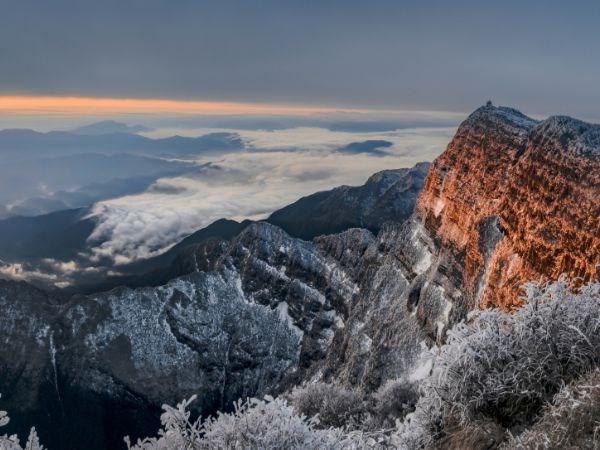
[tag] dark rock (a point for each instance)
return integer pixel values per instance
(389, 195)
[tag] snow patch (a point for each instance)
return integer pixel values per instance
(438, 206)
(335, 318)
(422, 250)
(365, 343)
(284, 315)
(421, 370)
(443, 320)
(424, 263)
(276, 273)
(424, 365)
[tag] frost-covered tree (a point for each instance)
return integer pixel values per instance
(392, 402)
(506, 366)
(12, 442)
(496, 373)
(340, 407)
(571, 421)
(335, 406)
(254, 424)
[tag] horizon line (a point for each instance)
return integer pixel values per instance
(66, 106)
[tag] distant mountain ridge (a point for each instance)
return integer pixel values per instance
(389, 195)
(109, 127)
(60, 235)
(16, 142)
(47, 172)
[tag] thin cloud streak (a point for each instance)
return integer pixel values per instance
(75, 106)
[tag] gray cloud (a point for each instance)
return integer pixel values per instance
(158, 188)
(372, 146)
(537, 55)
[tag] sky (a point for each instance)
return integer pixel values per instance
(430, 55)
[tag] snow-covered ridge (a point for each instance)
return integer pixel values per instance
(501, 115)
(578, 137)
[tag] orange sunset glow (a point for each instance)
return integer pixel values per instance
(72, 106)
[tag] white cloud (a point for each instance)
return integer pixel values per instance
(281, 167)
(19, 271)
(48, 271)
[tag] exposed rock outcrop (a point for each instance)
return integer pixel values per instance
(510, 200)
(516, 200)
(387, 196)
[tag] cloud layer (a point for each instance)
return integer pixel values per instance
(536, 55)
(278, 167)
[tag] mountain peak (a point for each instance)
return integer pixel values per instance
(390, 176)
(501, 115)
(388, 195)
(576, 136)
(513, 196)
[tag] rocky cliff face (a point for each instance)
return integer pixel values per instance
(257, 315)
(126, 352)
(516, 200)
(510, 200)
(387, 196)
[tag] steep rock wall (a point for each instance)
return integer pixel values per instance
(509, 201)
(516, 200)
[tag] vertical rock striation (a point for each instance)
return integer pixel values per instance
(516, 200)
(509, 201)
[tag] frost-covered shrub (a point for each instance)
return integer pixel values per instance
(178, 430)
(424, 426)
(349, 409)
(392, 402)
(496, 373)
(506, 366)
(572, 421)
(12, 442)
(479, 434)
(333, 405)
(254, 424)
(265, 424)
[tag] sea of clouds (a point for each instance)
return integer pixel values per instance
(275, 169)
